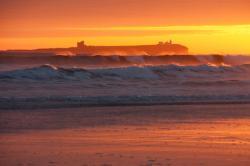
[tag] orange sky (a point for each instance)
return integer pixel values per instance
(205, 26)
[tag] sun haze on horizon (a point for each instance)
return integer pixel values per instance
(205, 26)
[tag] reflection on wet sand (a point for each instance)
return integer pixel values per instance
(152, 135)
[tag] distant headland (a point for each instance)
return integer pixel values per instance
(162, 48)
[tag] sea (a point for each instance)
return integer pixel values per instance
(42, 80)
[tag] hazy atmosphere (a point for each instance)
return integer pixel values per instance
(124, 83)
(60, 23)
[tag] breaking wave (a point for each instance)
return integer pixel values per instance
(50, 72)
(118, 80)
(31, 59)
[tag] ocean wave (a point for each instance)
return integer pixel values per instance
(50, 72)
(25, 58)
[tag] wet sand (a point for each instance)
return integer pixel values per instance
(142, 135)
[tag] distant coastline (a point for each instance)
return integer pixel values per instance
(162, 48)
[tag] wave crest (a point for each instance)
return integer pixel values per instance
(50, 72)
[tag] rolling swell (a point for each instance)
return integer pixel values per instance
(10, 58)
(50, 72)
(50, 86)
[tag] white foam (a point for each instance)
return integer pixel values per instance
(48, 72)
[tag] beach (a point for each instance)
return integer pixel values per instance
(212, 134)
(125, 83)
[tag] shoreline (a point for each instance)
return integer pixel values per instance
(136, 135)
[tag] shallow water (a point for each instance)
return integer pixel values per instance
(149, 135)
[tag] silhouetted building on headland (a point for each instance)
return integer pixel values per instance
(80, 45)
(162, 48)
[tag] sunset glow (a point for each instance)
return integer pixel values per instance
(206, 26)
(125, 82)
